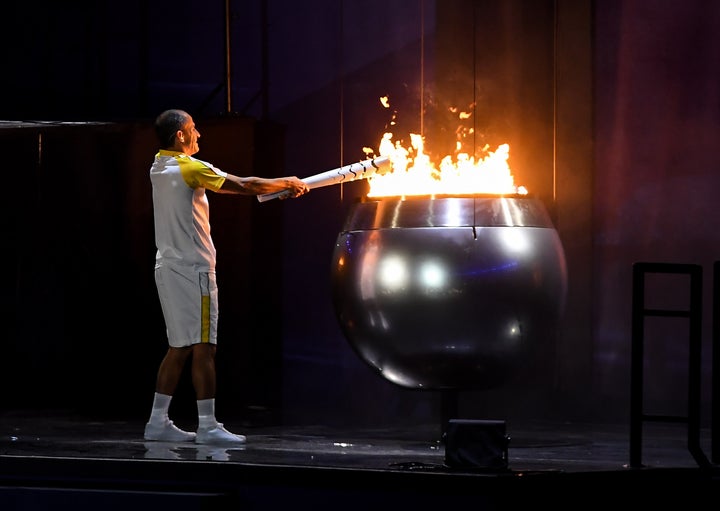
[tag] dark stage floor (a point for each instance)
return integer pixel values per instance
(49, 460)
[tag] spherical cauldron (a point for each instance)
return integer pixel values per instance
(451, 292)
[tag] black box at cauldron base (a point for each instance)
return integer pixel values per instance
(476, 444)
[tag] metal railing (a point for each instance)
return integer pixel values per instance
(694, 316)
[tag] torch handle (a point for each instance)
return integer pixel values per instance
(352, 172)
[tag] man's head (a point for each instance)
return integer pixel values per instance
(176, 131)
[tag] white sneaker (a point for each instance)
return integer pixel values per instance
(167, 432)
(218, 435)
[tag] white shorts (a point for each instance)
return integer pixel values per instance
(189, 301)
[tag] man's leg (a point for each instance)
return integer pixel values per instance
(210, 431)
(160, 427)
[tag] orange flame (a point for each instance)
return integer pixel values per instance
(414, 174)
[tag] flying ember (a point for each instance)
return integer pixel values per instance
(414, 174)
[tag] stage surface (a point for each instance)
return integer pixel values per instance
(52, 459)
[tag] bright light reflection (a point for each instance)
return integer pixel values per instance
(514, 239)
(378, 320)
(453, 213)
(432, 275)
(514, 332)
(399, 378)
(393, 272)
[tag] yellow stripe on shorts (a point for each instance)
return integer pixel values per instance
(205, 308)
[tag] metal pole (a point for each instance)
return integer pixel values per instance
(228, 68)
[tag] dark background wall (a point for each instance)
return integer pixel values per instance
(610, 109)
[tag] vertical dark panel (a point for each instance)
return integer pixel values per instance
(262, 384)
(77, 313)
(575, 171)
(494, 60)
(20, 149)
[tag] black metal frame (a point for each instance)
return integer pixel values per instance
(694, 315)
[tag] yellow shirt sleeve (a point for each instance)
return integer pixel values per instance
(199, 174)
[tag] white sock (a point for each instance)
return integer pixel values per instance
(206, 413)
(161, 405)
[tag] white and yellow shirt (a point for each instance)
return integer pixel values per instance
(181, 209)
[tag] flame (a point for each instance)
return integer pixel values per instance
(414, 174)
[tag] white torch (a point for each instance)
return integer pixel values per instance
(345, 174)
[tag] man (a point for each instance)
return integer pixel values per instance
(185, 271)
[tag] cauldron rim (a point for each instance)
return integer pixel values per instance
(473, 210)
(400, 197)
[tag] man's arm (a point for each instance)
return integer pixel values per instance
(258, 185)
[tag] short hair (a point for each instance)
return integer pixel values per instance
(167, 125)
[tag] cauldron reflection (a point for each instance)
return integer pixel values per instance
(450, 292)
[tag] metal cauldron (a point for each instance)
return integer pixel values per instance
(451, 292)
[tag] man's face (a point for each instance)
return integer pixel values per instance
(188, 137)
